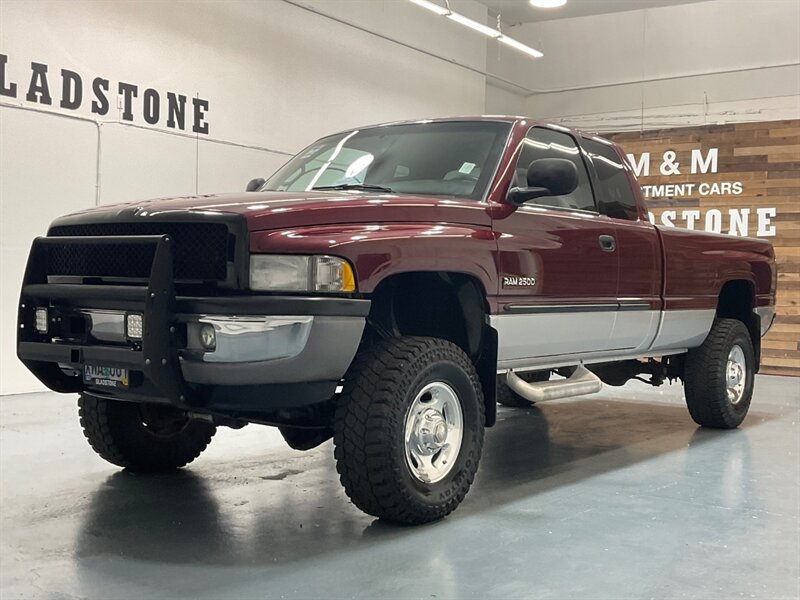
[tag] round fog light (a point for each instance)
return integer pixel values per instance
(208, 337)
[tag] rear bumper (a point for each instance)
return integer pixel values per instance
(271, 351)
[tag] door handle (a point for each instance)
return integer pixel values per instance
(607, 243)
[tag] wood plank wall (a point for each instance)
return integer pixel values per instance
(764, 159)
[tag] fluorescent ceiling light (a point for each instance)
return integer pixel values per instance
(547, 3)
(520, 46)
(484, 29)
(439, 10)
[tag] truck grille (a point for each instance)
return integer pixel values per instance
(202, 251)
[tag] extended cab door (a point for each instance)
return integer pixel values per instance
(557, 264)
(638, 248)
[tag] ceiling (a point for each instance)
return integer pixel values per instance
(520, 11)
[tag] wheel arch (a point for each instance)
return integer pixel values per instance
(450, 305)
(737, 300)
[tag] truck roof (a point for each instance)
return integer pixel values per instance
(517, 120)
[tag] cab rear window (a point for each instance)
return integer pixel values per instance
(613, 190)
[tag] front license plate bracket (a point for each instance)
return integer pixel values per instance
(116, 377)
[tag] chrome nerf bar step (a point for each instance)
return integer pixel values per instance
(580, 383)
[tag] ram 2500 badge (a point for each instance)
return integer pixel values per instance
(387, 287)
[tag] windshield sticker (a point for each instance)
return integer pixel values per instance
(467, 168)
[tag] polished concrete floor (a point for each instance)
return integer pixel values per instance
(617, 496)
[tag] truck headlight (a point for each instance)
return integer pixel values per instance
(295, 273)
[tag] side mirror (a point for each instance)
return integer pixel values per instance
(546, 177)
(255, 184)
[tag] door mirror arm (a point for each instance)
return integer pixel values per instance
(546, 177)
(519, 196)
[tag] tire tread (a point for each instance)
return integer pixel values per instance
(106, 425)
(363, 439)
(704, 377)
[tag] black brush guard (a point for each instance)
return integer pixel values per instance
(156, 357)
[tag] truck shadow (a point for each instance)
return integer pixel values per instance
(290, 507)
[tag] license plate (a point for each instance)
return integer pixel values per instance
(105, 376)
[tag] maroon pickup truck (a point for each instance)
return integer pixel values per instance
(387, 287)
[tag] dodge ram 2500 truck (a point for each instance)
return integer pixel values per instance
(387, 287)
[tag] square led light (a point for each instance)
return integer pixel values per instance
(134, 326)
(41, 319)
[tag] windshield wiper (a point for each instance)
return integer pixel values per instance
(354, 186)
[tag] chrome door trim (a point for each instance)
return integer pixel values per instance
(559, 308)
(577, 307)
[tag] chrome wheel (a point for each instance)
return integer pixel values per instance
(433, 432)
(736, 374)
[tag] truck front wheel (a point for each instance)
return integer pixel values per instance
(409, 429)
(142, 437)
(719, 376)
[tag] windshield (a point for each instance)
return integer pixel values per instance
(439, 158)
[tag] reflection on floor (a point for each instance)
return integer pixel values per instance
(619, 495)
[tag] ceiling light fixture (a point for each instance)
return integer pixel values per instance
(484, 29)
(479, 27)
(431, 6)
(520, 46)
(548, 3)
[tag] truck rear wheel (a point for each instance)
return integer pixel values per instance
(719, 376)
(508, 397)
(142, 437)
(409, 429)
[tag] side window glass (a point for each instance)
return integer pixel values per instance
(547, 143)
(614, 195)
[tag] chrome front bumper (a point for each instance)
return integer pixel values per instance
(272, 349)
(253, 349)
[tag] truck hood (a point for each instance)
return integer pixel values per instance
(285, 210)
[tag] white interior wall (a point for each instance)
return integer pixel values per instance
(501, 100)
(687, 52)
(276, 76)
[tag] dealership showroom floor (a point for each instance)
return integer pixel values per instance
(619, 495)
(318, 232)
